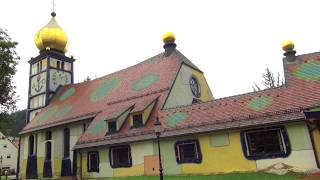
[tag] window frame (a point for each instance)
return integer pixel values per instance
(89, 168)
(133, 120)
(198, 152)
(66, 143)
(285, 143)
(112, 164)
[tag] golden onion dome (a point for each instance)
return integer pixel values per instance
(52, 36)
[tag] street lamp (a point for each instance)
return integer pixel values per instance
(157, 130)
(1, 158)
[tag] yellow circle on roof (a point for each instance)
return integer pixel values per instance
(169, 36)
(51, 36)
(288, 45)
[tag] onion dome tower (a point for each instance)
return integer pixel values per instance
(51, 68)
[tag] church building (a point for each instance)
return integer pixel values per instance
(106, 127)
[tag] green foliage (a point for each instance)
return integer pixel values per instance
(8, 61)
(231, 176)
(14, 124)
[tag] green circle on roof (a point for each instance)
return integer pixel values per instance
(67, 93)
(46, 115)
(63, 111)
(176, 118)
(98, 127)
(104, 89)
(309, 71)
(145, 82)
(260, 103)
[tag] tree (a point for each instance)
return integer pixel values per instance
(8, 61)
(269, 81)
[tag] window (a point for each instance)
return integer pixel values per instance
(31, 144)
(112, 126)
(8, 156)
(66, 138)
(188, 151)
(48, 145)
(93, 161)
(265, 143)
(120, 156)
(5, 146)
(137, 120)
(195, 87)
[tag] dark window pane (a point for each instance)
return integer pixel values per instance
(137, 120)
(112, 126)
(188, 151)
(93, 162)
(48, 135)
(31, 145)
(48, 150)
(66, 142)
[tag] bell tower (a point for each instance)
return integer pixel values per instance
(50, 69)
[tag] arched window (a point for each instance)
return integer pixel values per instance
(31, 144)
(66, 146)
(48, 145)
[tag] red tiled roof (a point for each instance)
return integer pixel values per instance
(277, 105)
(155, 75)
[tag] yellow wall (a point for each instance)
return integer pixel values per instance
(206, 94)
(316, 138)
(220, 159)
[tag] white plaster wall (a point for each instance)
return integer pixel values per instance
(304, 160)
(139, 150)
(9, 150)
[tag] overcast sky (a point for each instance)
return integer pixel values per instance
(231, 41)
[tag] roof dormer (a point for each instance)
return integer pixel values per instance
(141, 113)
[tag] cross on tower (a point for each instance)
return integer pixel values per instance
(53, 5)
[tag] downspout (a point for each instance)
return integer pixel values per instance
(313, 144)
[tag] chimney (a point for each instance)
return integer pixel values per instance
(169, 45)
(289, 52)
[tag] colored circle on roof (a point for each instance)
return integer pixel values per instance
(63, 111)
(260, 103)
(177, 118)
(46, 115)
(67, 94)
(104, 89)
(98, 127)
(145, 82)
(309, 71)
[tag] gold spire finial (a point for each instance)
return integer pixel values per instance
(168, 36)
(288, 45)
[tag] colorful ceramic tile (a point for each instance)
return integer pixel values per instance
(145, 82)
(67, 94)
(104, 89)
(176, 118)
(260, 103)
(309, 71)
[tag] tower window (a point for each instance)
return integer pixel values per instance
(93, 161)
(137, 120)
(112, 126)
(8, 156)
(265, 143)
(66, 149)
(5, 146)
(120, 156)
(188, 151)
(62, 65)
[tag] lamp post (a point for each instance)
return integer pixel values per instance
(157, 130)
(1, 158)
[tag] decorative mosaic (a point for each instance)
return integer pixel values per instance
(260, 103)
(47, 115)
(63, 111)
(67, 94)
(176, 118)
(104, 89)
(309, 71)
(145, 82)
(98, 127)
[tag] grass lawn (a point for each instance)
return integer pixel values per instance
(232, 176)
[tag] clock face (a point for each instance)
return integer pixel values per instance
(58, 78)
(38, 83)
(195, 87)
